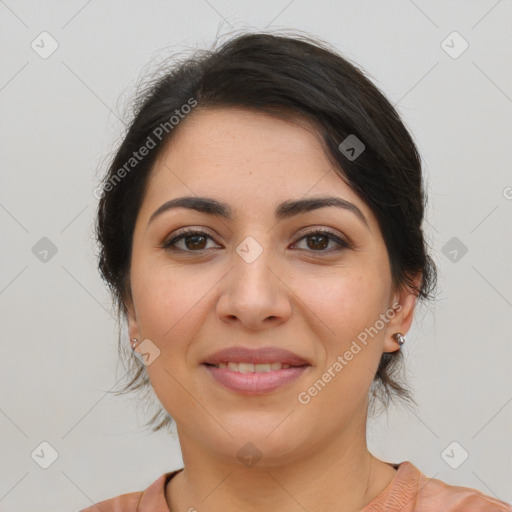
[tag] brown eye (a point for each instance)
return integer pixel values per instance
(192, 241)
(318, 241)
(195, 242)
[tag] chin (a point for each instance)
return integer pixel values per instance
(266, 447)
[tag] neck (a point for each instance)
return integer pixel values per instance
(341, 475)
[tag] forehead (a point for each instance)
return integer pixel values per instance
(244, 157)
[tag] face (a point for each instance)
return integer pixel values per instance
(263, 278)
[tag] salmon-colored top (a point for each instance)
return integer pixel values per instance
(409, 491)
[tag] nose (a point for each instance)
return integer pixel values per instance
(255, 294)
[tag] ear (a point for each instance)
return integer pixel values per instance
(404, 303)
(131, 316)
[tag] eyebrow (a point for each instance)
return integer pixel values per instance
(283, 211)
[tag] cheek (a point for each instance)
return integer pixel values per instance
(346, 310)
(170, 301)
(169, 313)
(344, 301)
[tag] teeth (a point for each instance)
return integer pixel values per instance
(253, 368)
(245, 367)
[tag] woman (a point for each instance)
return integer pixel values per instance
(261, 231)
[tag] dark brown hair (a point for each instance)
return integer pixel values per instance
(275, 74)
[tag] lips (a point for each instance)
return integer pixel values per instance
(263, 355)
(250, 371)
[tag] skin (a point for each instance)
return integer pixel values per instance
(310, 299)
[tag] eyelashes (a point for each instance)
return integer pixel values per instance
(197, 237)
(184, 234)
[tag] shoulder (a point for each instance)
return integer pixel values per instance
(454, 498)
(412, 491)
(125, 502)
(149, 500)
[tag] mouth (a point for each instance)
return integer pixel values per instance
(251, 367)
(255, 371)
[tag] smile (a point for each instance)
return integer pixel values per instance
(254, 379)
(252, 368)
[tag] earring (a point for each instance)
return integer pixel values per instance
(400, 338)
(134, 343)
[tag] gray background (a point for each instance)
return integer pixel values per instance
(60, 119)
